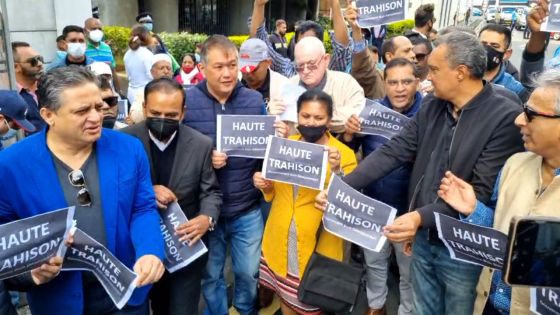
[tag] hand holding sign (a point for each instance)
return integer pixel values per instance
(404, 227)
(351, 14)
(457, 193)
(321, 200)
(334, 159)
(281, 129)
(47, 271)
(149, 269)
(352, 126)
(261, 183)
(218, 159)
(192, 230)
(164, 196)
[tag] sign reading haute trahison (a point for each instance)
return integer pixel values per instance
(295, 162)
(28, 243)
(244, 135)
(380, 12)
(545, 301)
(356, 217)
(379, 120)
(552, 22)
(472, 243)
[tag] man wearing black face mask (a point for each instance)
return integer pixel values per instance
(181, 171)
(496, 40)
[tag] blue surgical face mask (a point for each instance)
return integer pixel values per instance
(149, 26)
(197, 57)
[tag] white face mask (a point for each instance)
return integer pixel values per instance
(76, 50)
(96, 36)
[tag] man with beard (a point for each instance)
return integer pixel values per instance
(278, 38)
(28, 65)
(496, 40)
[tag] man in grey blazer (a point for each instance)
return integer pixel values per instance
(181, 169)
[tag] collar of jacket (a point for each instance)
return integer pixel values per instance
(202, 86)
(411, 110)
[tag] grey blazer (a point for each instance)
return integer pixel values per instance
(192, 180)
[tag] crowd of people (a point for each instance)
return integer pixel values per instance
(482, 145)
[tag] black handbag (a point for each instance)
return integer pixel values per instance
(329, 284)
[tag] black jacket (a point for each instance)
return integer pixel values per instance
(485, 137)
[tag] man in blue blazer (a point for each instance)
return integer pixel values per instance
(103, 173)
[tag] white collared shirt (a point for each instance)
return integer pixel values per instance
(160, 144)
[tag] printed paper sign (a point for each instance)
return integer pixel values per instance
(380, 12)
(290, 94)
(177, 254)
(356, 217)
(28, 243)
(244, 135)
(545, 301)
(472, 243)
(296, 162)
(552, 22)
(377, 119)
(87, 254)
(122, 110)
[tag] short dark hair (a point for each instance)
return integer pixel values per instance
(54, 82)
(139, 36)
(190, 55)
(424, 14)
(373, 49)
(319, 96)
(500, 29)
(400, 62)
(215, 41)
(305, 26)
(388, 46)
(15, 46)
(419, 40)
(104, 83)
(166, 85)
(59, 38)
(71, 28)
(280, 22)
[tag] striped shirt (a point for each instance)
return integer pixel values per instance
(103, 53)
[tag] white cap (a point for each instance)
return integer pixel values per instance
(160, 57)
(100, 68)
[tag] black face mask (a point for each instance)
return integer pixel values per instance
(162, 128)
(494, 58)
(109, 122)
(312, 133)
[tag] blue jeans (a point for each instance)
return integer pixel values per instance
(440, 284)
(244, 235)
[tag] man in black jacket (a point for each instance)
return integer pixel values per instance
(466, 127)
(181, 169)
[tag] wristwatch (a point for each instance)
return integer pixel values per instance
(212, 223)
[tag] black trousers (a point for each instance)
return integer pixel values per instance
(179, 293)
(98, 302)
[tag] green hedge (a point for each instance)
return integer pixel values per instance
(398, 28)
(177, 43)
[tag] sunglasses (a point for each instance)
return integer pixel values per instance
(77, 179)
(311, 66)
(531, 113)
(34, 61)
(111, 100)
(421, 57)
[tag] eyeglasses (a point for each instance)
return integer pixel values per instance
(404, 82)
(311, 65)
(77, 179)
(531, 113)
(111, 100)
(421, 57)
(34, 61)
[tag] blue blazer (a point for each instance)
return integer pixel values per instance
(31, 186)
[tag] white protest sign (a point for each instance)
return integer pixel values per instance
(28, 243)
(177, 254)
(545, 301)
(122, 110)
(472, 243)
(87, 254)
(244, 135)
(552, 22)
(380, 12)
(295, 162)
(356, 217)
(290, 94)
(377, 119)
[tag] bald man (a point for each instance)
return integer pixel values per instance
(397, 47)
(312, 67)
(97, 50)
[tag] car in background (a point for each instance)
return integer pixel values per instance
(476, 12)
(522, 13)
(507, 15)
(490, 14)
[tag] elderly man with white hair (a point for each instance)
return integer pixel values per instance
(161, 67)
(312, 67)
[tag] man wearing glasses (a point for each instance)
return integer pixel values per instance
(527, 185)
(105, 174)
(28, 66)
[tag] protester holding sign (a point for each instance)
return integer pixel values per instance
(401, 84)
(445, 134)
(241, 223)
(527, 185)
(290, 235)
(105, 174)
(181, 174)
